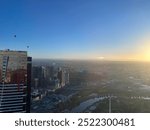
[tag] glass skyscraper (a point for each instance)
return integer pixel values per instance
(15, 81)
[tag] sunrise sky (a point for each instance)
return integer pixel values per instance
(77, 29)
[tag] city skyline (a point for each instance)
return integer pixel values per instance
(77, 29)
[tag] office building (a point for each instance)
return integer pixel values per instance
(15, 81)
(63, 77)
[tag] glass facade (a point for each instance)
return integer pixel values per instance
(13, 81)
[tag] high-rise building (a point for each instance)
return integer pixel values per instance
(66, 78)
(63, 77)
(15, 81)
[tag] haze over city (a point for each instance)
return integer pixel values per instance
(77, 29)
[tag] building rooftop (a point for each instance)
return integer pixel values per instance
(8, 50)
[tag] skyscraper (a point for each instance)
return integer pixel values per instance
(15, 81)
(61, 77)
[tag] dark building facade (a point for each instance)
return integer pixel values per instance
(15, 81)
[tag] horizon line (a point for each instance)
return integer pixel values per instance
(69, 59)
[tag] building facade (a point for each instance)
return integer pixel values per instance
(15, 81)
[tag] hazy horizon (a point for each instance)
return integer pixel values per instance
(67, 59)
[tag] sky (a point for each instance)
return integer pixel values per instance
(77, 29)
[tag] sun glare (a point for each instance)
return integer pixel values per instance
(146, 51)
(100, 58)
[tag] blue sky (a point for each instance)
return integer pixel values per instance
(76, 29)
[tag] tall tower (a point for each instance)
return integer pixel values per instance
(61, 77)
(15, 81)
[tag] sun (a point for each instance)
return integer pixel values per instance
(100, 58)
(147, 56)
(146, 53)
